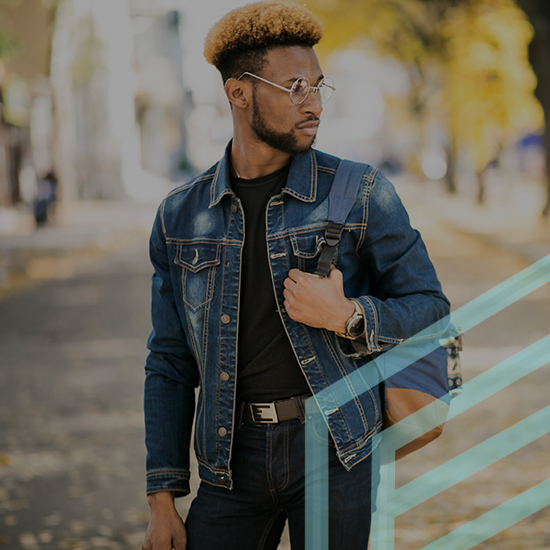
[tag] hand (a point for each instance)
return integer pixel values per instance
(166, 529)
(317, 301)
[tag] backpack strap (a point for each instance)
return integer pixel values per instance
(343, 194)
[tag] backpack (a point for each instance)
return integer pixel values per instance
(436, 375)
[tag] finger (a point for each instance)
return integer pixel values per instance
(182, 539)
(180, 542)
(295, 274)
(289, 283)
(288, 307)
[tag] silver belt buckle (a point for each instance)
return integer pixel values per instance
(264, 413)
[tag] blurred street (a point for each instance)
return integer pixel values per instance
(107, 106)
(71, 451)
(73, 349)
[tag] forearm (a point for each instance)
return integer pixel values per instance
(161, 501)
(169, 407)
(396, 319)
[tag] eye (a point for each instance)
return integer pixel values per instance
(299, 90)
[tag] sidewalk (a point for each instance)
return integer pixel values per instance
(510, 220)
(83, 226)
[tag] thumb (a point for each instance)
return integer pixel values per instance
(336, 275)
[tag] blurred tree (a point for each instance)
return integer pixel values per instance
(8, 42)
(465, 58)
(406, 30)
(538, 12)
(488, 83)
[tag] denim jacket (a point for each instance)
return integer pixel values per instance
(196, 249)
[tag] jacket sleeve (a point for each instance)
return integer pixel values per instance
(170, 381)
(407, 297)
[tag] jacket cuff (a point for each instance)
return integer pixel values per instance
(168, 479)
(371, 323)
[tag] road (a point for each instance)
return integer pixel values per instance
(72, 351)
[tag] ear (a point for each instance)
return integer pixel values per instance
(238, 93)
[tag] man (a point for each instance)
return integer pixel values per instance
(238, 311)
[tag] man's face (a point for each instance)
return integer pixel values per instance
(275, 119)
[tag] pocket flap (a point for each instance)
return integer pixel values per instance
(307, 245)
(196, 256)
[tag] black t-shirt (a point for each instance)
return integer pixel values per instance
(267, 368)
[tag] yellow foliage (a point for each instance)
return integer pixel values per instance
(477, 49)
(488, 88)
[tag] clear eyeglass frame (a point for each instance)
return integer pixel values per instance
(301, 87)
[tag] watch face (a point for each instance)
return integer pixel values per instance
(356, 326)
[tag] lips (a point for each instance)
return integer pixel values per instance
(309, 127)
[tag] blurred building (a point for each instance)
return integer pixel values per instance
(117, 71)
(100, 99)
(162, 102)
(24, 96)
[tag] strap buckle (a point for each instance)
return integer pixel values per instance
(265, 413)
(333, 233)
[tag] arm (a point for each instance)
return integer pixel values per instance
(406, 296)
(169, 400)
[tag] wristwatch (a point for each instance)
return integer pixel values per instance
(355, 325)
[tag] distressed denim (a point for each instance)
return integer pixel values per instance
(196, 249)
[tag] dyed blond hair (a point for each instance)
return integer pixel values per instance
(239, 41)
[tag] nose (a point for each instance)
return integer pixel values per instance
(313, 103)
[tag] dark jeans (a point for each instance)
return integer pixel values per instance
(268, 474)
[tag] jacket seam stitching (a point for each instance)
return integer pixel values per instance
(345, 377)
(213, 184)
(370, 184)
(187, 186)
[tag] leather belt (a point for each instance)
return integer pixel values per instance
(272, 413)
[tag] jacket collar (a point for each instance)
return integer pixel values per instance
(301, 182)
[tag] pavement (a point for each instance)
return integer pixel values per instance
(74, 317)
(511, 218)
(80, 227)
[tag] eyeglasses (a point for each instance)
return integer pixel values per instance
(301, 88)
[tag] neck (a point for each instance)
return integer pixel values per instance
(251, 158)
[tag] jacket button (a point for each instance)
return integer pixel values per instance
(224, 377)
(234, 208)
(226, 319)
(222, 432)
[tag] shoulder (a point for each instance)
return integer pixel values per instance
(195, 192)
(329, 164)
(376, 191)
(202, 180)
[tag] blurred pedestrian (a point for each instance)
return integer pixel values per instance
(238, 311)
(45, 199)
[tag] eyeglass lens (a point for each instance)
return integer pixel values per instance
(301, 88)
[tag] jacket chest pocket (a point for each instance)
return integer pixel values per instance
(307, 249)
(198, 262)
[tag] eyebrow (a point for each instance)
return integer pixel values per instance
(292, 80)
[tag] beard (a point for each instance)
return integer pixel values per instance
(287, 142)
